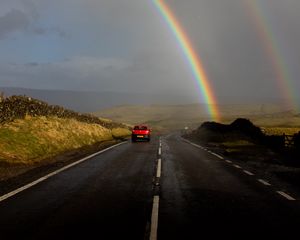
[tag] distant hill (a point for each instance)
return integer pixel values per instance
(93, 101)
(174, 117)
(84, 101)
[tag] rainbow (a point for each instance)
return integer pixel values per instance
(273, 49)
(192, 58)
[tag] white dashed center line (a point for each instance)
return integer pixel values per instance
(288, 197)
(158, 172)
(264, 182)
(159, 151)
(154, 218)
(228, 161)
(237, 166)
(249, 173)
(155, 206)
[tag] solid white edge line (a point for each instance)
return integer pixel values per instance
(199, 146)
(249, 173)
(288, 197)
(158, 172)
(264, 182)
(194, 144)
(154, 218)
(29, 185)
(217, 155)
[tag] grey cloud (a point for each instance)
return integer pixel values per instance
(30, 7)
(53, 30)
(80, 72)
(40, 31)
(32, 64)
(101, 74)
(23, 16)
(61, 33)
(14, 20)
(146, 56)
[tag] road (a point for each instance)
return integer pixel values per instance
(110, 196)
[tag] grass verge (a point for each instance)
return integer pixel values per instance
(30, 140)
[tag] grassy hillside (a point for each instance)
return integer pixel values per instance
(174, 117)
(28, 137)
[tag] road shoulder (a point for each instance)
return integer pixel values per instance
(12, 177)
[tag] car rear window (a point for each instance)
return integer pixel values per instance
(140, 128)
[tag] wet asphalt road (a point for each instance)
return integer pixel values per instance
(110, 197)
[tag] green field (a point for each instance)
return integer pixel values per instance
(177, 117)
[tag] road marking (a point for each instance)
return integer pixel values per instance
(154, 218)
(194, 144)
(199, 146)
(249, 173)
(159, 151)
(158, 172)
(264, 182)
(217, 155)
(237, 166)
(228, 161)
(288, 197)
(29, 185)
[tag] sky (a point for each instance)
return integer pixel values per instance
(125, 46)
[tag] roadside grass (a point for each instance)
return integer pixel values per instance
(237, 146)
(280, 130)
(119, 133)
(33, 139)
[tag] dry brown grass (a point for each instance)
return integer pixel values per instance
(120, 132)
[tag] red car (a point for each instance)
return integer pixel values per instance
(140, 132)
